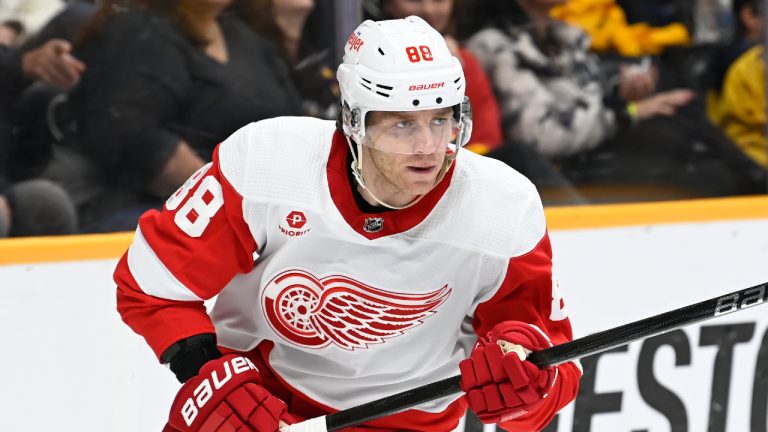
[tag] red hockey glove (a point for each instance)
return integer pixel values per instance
(499, 386)
(226, 395)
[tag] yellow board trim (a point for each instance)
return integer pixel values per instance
(111, 246)
(63, 248)
(668, 212)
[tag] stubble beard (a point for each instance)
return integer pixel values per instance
(389, 184)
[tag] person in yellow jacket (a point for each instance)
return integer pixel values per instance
(743, 105)
(748, 33)
(607, 24)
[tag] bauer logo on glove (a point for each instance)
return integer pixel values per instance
(216, 380)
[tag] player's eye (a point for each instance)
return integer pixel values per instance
(440, 121)
(402, 124)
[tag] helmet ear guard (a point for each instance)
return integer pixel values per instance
(463, 115)
(350, 120)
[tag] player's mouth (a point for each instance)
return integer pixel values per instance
(422, 169)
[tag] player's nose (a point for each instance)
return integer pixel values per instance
(425, 141)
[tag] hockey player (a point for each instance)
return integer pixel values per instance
(354, 260)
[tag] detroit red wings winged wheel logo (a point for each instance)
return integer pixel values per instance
(338, 310)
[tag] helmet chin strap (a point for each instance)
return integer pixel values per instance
(357, 171)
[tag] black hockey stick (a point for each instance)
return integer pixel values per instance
(575, 349)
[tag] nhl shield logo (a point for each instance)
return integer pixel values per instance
(373, 225)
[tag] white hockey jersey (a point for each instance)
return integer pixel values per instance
(343, 307)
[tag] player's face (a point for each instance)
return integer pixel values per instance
(436, 12)
(396, 176)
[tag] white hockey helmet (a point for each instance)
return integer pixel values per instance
(400, 65)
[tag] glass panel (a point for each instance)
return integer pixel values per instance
(118, 102)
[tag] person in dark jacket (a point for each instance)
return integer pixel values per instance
(553, 99)
(167, 81)
(28, 205)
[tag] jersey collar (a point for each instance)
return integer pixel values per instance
(375, 225)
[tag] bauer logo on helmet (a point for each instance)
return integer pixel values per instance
(426, 86)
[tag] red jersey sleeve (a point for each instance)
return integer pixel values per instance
(181, 256)
(530, 294)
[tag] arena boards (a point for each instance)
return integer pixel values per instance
(616, 264)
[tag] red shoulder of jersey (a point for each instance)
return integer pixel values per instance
(182, 255)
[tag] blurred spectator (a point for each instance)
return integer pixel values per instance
(748, 33)
(549, 85)
(64, 25)
(713, 21)
(607, 25)
(32, 111)
(27, 17)
(742, 114)
(54, 64)
(552, 99)
(290, 17)
(311, 67)
(10, 30)
(166, 81)
(31, 206)
(659, 13)
(441, 14)
(35, 207)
